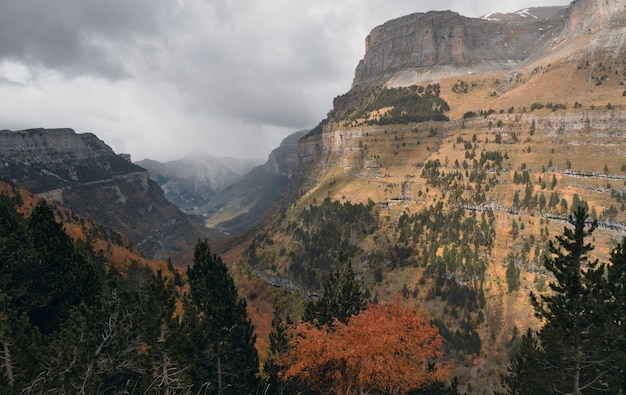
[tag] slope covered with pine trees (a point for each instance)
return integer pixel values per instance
(71, 322)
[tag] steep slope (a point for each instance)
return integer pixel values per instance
(192, 181)
(456, 215)
(241, 205)
(82, 173)
(110, 245)
(448, 42)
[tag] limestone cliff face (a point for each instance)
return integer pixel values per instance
(43, 160)
(84, 174)
(589, 16)
(446, 39)
(284, 159)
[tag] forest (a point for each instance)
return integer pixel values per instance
(71, 323)
(404, 105)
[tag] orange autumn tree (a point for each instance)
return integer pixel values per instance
(390, 349)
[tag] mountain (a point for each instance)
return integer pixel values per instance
(241, 205)
(85, 175)
(456, 156)
(192, 181)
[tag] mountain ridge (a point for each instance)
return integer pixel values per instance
(84, 174)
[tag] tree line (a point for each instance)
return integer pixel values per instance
(71, 323)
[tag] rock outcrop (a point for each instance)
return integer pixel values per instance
(438, 39)
(586, 16)
(42, 160)
(284, 159)
(448, 42)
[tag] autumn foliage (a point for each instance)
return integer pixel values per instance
(389, 349)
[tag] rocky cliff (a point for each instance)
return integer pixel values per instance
(450, 43)
(43, 160)
(284, 159)
(84, 174)
(447, 39)
(428, 47)
(586, 17)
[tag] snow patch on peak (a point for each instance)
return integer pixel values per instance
(525, 13)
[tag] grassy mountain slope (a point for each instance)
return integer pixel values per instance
(457, 214)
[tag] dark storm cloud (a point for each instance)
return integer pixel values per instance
(75, 36)
(158, 78)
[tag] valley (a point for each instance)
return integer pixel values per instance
(443, 176)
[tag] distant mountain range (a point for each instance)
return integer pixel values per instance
(192, 181)
(241, 205)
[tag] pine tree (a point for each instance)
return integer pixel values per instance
(18, 346)
(163, 373)
(526, 373)
(279, 346)
(615, 302)
(220, 352)
(61, 278)
(342, 297)
(572, 353)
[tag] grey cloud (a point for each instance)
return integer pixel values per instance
(75, 37)
(160, 75)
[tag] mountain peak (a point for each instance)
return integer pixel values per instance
(525, 13)
(428, 46)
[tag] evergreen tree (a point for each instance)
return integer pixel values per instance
(220, 350)
(512, 276)
(342, 297)
(19, 344)
(615, 303)
(17, 254)
(526, 373)
(163, 373)
(572, 341)
(279, 345)
(61, 278)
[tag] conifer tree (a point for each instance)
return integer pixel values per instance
(17, 255)
(614, 300)
(572, 354)
(163, 373)
(18, 347)
(61, 278)
(279, 346)
(342, 296)
(526, 372)
(221, 352)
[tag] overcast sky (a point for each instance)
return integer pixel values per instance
(162, 78)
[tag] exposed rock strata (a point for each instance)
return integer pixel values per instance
(84, 174)
(447, 38)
